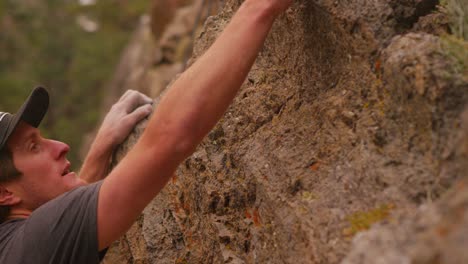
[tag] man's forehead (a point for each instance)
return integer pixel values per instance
(21, 133)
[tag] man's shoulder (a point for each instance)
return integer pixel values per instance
(77, 195)
(10, 231)
(8, 228)
(60, 229)
(79, 191)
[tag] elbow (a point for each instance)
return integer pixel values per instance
(185, 135)
(185, 146)
(177, 144)
(173, 136)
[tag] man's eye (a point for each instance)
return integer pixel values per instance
(34, 147)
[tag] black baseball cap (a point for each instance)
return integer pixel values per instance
(31, 112)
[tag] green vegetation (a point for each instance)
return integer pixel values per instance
(455, 46)
(42, 44)
(457, 11)
(457, 49)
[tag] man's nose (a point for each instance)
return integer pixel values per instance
(60, 149)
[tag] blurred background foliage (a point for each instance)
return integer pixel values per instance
(69, 46)
(457, 11)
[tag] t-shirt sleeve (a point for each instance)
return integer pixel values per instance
(64, 230)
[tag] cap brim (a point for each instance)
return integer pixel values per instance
(32, 111)
(35, 107)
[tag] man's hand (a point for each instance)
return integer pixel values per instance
(131, 108)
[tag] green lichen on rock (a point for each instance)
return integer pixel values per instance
(456, 49)
(363, 220)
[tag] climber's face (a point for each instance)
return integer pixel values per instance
(42, 162)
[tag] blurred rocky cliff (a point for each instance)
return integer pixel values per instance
(346, 144)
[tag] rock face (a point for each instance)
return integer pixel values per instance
(345, 144)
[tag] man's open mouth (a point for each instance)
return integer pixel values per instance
(66, 170)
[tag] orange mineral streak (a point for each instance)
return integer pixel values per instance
(377, 65)
(315, 166)
(256, 218)
(247, 214)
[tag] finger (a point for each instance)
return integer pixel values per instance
(134, 93)
(126, 94)
(146, 99)
(135, 100)
(140, 113)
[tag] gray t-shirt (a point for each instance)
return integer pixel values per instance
(63, 230)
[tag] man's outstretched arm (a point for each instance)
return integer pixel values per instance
(187, 112)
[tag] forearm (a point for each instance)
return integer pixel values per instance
(201, 95)
(96, 164)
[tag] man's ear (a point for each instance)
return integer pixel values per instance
(7, 198)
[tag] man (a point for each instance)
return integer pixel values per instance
(34, 170)
(57, 217)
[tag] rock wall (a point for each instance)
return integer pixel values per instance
(345, 144)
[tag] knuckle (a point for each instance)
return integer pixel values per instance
(117, 106)
(133, 94)
(114, 106)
